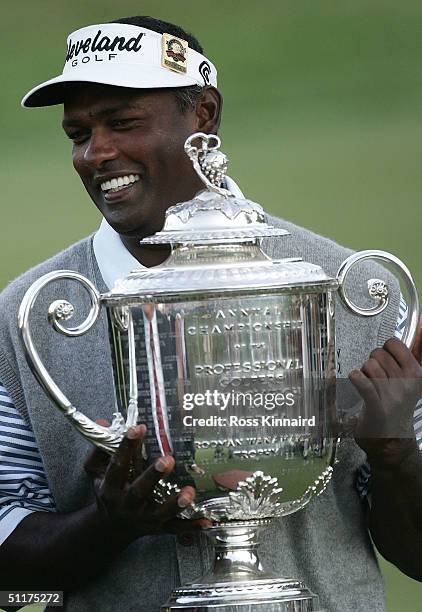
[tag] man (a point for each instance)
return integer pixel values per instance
(130, 101)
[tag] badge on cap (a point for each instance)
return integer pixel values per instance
(175, 52)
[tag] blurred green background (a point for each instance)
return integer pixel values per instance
(322, 123)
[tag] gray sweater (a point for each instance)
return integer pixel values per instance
(327, 544)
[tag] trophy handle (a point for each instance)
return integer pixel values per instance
(106, 438)
(378, 290)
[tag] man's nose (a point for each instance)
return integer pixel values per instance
(101, 148)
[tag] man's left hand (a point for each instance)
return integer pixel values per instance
(390, 383)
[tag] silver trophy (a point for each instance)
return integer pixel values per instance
(228, 357)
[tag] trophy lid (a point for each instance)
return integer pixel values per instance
(215, 239)
(215, 215)
(193, 280)
(214, 218)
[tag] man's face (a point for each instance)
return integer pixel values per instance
(128, 151)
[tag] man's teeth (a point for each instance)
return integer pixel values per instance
(117, 183)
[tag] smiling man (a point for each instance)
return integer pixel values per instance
(128, 151)
(133, 91)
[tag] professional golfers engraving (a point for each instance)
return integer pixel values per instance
(228, 357)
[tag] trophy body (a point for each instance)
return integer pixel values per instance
(231, 384)
(228, 357)
(240, 389)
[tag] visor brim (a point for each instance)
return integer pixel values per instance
(53, 91)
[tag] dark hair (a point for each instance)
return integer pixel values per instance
(186, 97)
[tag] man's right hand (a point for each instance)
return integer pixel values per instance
(63, 550)
(127, 504)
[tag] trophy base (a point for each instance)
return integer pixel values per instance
(237, 581)
(262, 595)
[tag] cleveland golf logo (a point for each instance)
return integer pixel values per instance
(101, 43)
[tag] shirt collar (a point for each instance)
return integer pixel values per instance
(113, 258)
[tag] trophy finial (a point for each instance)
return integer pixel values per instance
(210, 163)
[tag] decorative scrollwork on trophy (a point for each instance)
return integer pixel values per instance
(61, 310)
(378, 289)
(314, 490)
(164, 490)
(256, 497)
(209, 163)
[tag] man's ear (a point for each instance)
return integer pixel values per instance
(208, 110)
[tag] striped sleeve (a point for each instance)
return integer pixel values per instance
(23, 484)
(363, 482)
(401, 323)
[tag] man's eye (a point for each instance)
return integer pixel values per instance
(77, 137)
(122, 123)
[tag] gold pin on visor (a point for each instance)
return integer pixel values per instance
(174, 53)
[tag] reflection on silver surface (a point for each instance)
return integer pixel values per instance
(263, 369)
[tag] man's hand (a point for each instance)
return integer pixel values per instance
(63, 550)
(126, 504)
(390, 385)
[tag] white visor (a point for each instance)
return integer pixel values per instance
(125, 56)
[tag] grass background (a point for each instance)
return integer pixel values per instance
(322, 122)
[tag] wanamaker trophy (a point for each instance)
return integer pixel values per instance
(228, 357)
